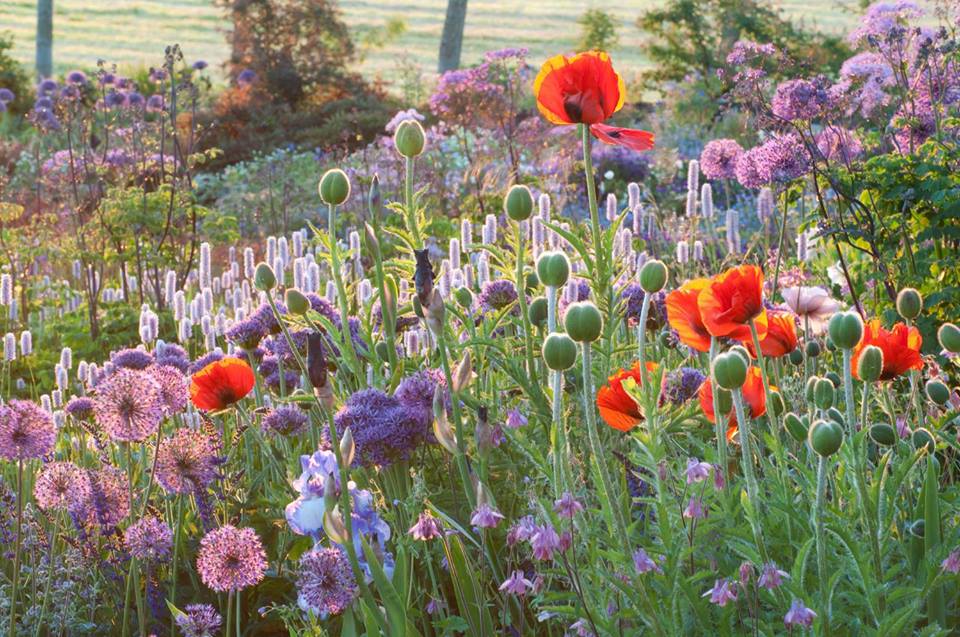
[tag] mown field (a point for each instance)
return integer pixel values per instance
(134, 32)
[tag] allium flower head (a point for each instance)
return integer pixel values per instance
(109, 501)
(384, 429)
(62, 485)
(287, 420)
(496, 295)
(131, 359)
(187, 461)
(26, 431)
(325, 584)
(80, 407)
(149, 539)
(680, 385)
(173, 387)
(782, 158)
(231, 559)
(199, 620)
(800, 100)
(128, 405)
(719, 158)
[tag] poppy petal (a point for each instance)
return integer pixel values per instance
(631, 138)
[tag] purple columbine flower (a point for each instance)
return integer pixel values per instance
(567, 506)
(952, 563)
(799, 615)
(644, 563)
(522, 530)
(771, 577)
(426, 528)
(515, 420)
(723, 591)
(746, 573)
(516, 584)
(694, 510)
(545, 542)
(485, 517)
(697, 471)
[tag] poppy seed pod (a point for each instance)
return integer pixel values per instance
(834, 414)
(553, 268)
(653, 276)
(795, 426)
(813, 349)
(296, 302)
(742, 352)
(263, 278)
(537, 312)
(937, 391)
(949, 337)
(334, 187)
(909, 303)
(823, 393)
(923, 439)
(834, 378)
(846, 329)
(730, 370)
(777, 406)
(796, 356)
(559, 352)
(870, 364)
(724, 400)
(409, 138)
(825, 437)
(810, 386)
(518, 204)
(583, 322)
(883, 434)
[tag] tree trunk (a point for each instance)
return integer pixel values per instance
(44, 38)
(451, 41)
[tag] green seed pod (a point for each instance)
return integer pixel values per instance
(834, 414)
(383, 350)
(553, 268)
(823, 394)
(263, 278)
(653, 276)
(409, 138)
(813, 349)
(538, 311)
(909, 303)
(725, 401)
(334, 187)
(825, 437)
(796, 357)
(730, 370)
(296, 302)
(949, 337)
(531, 281)
(923, 439)
(810, 386)
(518, 204)
(795, 427)
(883, 434)
(835, 379)
(870, 364)
(583, 322)
(464, 297)
(742, 352)
(666, 340)
(830, 345)
(777, 406)
(845, 329)
(937, 391)
(559, 352)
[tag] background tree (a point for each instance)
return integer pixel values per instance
(44, 38)
(598, 31)
(451, 40)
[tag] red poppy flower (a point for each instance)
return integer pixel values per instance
(683, 314)
(781, 338)
(221, 383)
(617, 408)
(753, 395)
(731, 301)
(901, 348)
(585, 89)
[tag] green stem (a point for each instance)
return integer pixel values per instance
(719, 429)
(753, 490)
(337, 274)
(524, 316)
(461, 456)
(414, 227)
(820, 535)
(849, 405)
(16, 551)
(51, 561)
(177, 541)
(783, 229)
(642, 341)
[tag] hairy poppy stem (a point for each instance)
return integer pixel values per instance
(717, 416)
(821, 542)
(746, 444)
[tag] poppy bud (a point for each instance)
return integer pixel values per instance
(559, 352)
(518, 204)
(316, 360)
(870, 364)
(923, 439)
(263, 278)
(776, 402)
(813, 349)
(653, 276)
(825, 437)
(937, 391)
(730, 370)
(917, 528)
(883, 434)
(796, 356)
(834, 378)
(909, 303)
(795, 426)
(823, 393)
(531, 281)
(846, 329)
(334, 187)
(949, 336)
(553, 268)
(834, 414)
(724, 401)
(831, 346)
(296, 302)
(583, 322)
(742, 352)
(374, 199)
(423, 276)
(810, 386)
(537, 312)
(409, 138)
(464, 297)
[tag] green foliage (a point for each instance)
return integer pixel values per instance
(14, 77)
(598, 31)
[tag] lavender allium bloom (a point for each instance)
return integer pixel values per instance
(748, 170)
(203, 361)
(544, 542)
(385, 430)
(248, 333)
(187, 461)
(80, 407)
(723, 591)
(173, 388)
(632, 296)
(680, 385)
(516, 584)
(782, 158)
(26, 431)
(149, 539)
(567, 506)
(131, 359)
(694, 510)
(128, 405)
(109, 501)
(485, 517)
(771, 577)
(426, 528)
(697, 471)
(285, 421)
(515, 419)
(496, 295)
(952, 563)
(172, 355)
(325, 584)
(6, 95)
(719, 158)
(799, 615)
(199, 620)
(838, 144)
(231, 559)
(800, 100)
(864, 79)
(62, 486)
(643, 563)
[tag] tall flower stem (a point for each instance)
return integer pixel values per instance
(177, 541)
(821, 543)
(783, 231)
(524, 315)
(642, 341)
(18, 542)
(336, 272)
(762, 364)
(849, 404)
(753, 490)
(412, 224)
(461, 456)
(133, 562)
(592, 203)
(717, 416)
(51, 561)
(556, 387)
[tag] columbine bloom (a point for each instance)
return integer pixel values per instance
(567, 506)
(585, 89)
(644, 563)
(515, 419)
(26, 431)
(485, 517)
(516, 584)
(694, 510)
(325, 584)
(221, 384)
(544, 542)
(697, 471)
(62, 485)
(149, 539)
(952, 563)
(731, 301)
(811, 303)
(128, 405)
(753, 395)
(900, 345)
(799, 615)
(231, 559)
(683, 314)
(426, 528)
(723, 591)
(771, 577)
(781, 338)
(617, 406)
(199, 620)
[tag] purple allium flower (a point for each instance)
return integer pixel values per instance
(632, 298)
(109, 501)
(131, 359)
(567, 506)
(799, 615)
(544, 542)
(515, 419)
(80, 407)
(199, 65)
(384, 429)
(697, 471)
(77, 77)
(838, 144)
(782, 158)
(149, 539)
(268, 319)
(496, 295)
(644, 563)
(46, 86)
(26, 431)
(325, 584)
(128, 405)
(517, 584)
(155, 103)
(231, 559)
(199, 620)
(723, 591)
(748, 170)
(952, 563)
(771, 577)
(6, 95)
(800, 100)
(485, 517)
(172, 355)
(248, 333)
(187, 461)
(287, 420)
(694, 510)
(62, 485)
(719, 158)
(173, 388)
(426, 528)
(246, 76)
(203, 361)
(680, 385)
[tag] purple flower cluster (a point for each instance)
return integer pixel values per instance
(287, 420)
(199, 620)
(149, 539)
(496, 295)
(780, 159)
(680, 385)
(800, 99)
(385, 430)
(26, 431)
(719, 158)
(62, 486)
(325, 584)
(231, 559)
(128, 405)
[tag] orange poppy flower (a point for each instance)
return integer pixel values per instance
(731, 301)
(901, 348)
(683, 314)
(753, 395)
(617, 408)
(781, 338)
(221, 383)
(585, 89)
